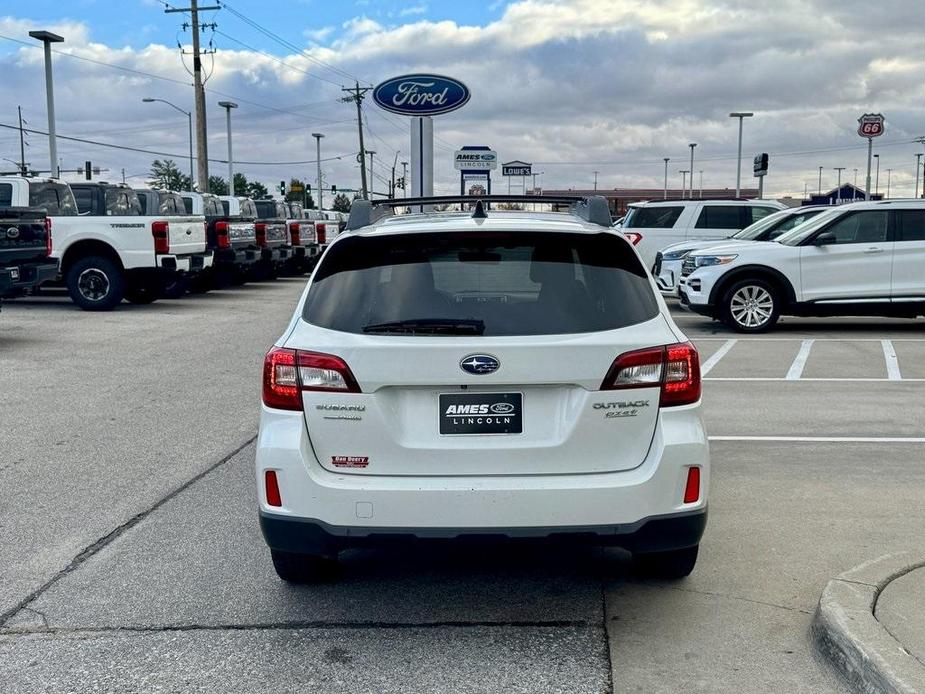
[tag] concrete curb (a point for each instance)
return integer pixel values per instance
(850, 637)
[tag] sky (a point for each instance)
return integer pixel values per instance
(574, 86)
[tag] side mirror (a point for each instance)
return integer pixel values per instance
(825, 238)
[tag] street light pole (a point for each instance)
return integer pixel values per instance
(683, 173)
(47, 38)
(701, 184)
(665, 189)
(839, 169)
(404, 179)
(318, 137)
(691, 193)
(228, 105)
(820, 180)
(189, 117)
(877, 176)
(918, 160)
(595, 180)
(889, 173)
(741, 115)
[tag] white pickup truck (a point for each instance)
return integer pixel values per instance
(106, 250)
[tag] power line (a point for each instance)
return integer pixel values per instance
(171, 154)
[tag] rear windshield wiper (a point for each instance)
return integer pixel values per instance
(429, 326)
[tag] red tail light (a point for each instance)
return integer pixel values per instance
(675, 369)
(260, 230)
(295, 235)
(288, 372)
(221, 235)
(634, 237)
(274, 498)
(160, 230)
(692, 488)
(321, 233)
(47, 236)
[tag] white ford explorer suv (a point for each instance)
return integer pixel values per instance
(668, 261)
(661, 223)
(502, 374)
(864, 258)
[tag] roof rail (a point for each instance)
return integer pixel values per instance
(593, 208)
(705, 199)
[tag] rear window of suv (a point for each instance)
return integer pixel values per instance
(661, 217)
(482, 283)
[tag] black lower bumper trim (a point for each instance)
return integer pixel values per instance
(654, 534)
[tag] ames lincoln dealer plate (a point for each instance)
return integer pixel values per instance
(481, 413)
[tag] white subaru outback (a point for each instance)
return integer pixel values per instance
(497, 374)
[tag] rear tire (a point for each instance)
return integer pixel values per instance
(96, 283)
(305, 568)
(670, 565)
(141, 295)
(751, 306)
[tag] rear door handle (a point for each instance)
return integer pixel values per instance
(873, 249)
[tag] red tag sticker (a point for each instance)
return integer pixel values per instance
(350, 461)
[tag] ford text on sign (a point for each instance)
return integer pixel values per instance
(421, 95)
(475, 159)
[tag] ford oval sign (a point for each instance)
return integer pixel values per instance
(421, 95)
(479, 364)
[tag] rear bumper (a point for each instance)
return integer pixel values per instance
(654, 534)
(191, 262)
(226, 257)
(615, 507)
(16, 279)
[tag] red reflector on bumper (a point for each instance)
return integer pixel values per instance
(692, 488)
(272, 485)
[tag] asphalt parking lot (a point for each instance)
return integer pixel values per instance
(131, 559)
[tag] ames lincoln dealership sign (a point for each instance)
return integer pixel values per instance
(421, 95)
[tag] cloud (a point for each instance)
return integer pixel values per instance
(575, 86)
(318, 35)
(413, 10)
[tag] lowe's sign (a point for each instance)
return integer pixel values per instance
(421, 95)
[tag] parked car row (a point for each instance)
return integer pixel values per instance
(108, 242)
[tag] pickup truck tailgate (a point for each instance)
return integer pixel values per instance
(187, 235)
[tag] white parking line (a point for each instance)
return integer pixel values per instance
(716, 356)
(823, 439)
(796, 368)
(892, 363)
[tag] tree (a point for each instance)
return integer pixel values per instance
(167, 175)
(218, 185)
(256, 190)
(341, 203)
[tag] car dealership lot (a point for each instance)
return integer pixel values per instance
(131, 556)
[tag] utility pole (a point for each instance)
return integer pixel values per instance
(877, 177)
(839, 169)
(123, 174)
(22, 144)
(202, 149)
(854, 192)
(404, 179)
(392, 186)
(357, 94)
(820, 180)
(595, 180)
(665, 189)
(318, 137)
(921, 141)
(889, 173)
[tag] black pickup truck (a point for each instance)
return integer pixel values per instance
(273, 237)
(232, 240)
(25, 247)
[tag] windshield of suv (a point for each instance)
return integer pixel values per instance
(484, 283)
(774, 225)
(660, 217)
(797, 235)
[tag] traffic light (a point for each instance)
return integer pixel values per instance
(333, 188)
(282, 187)
(87, 171)
(308, 187)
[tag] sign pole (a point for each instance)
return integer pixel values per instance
(870, 152)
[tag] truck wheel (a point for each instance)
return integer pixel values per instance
(671, 565)
(96, 283)
(305, 568)
(141, 294)
(751, 306)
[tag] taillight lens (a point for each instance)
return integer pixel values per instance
(260, 230)
(675, 369)
(692, 486)
(221, 235)
(47, 236)
(288, 372)
(321, 233)
(271, 485)
(634, 237)
(161, 232)
(295, 236)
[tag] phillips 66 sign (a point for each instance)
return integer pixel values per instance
(870, 125)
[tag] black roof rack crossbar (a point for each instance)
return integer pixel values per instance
(593, 209)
